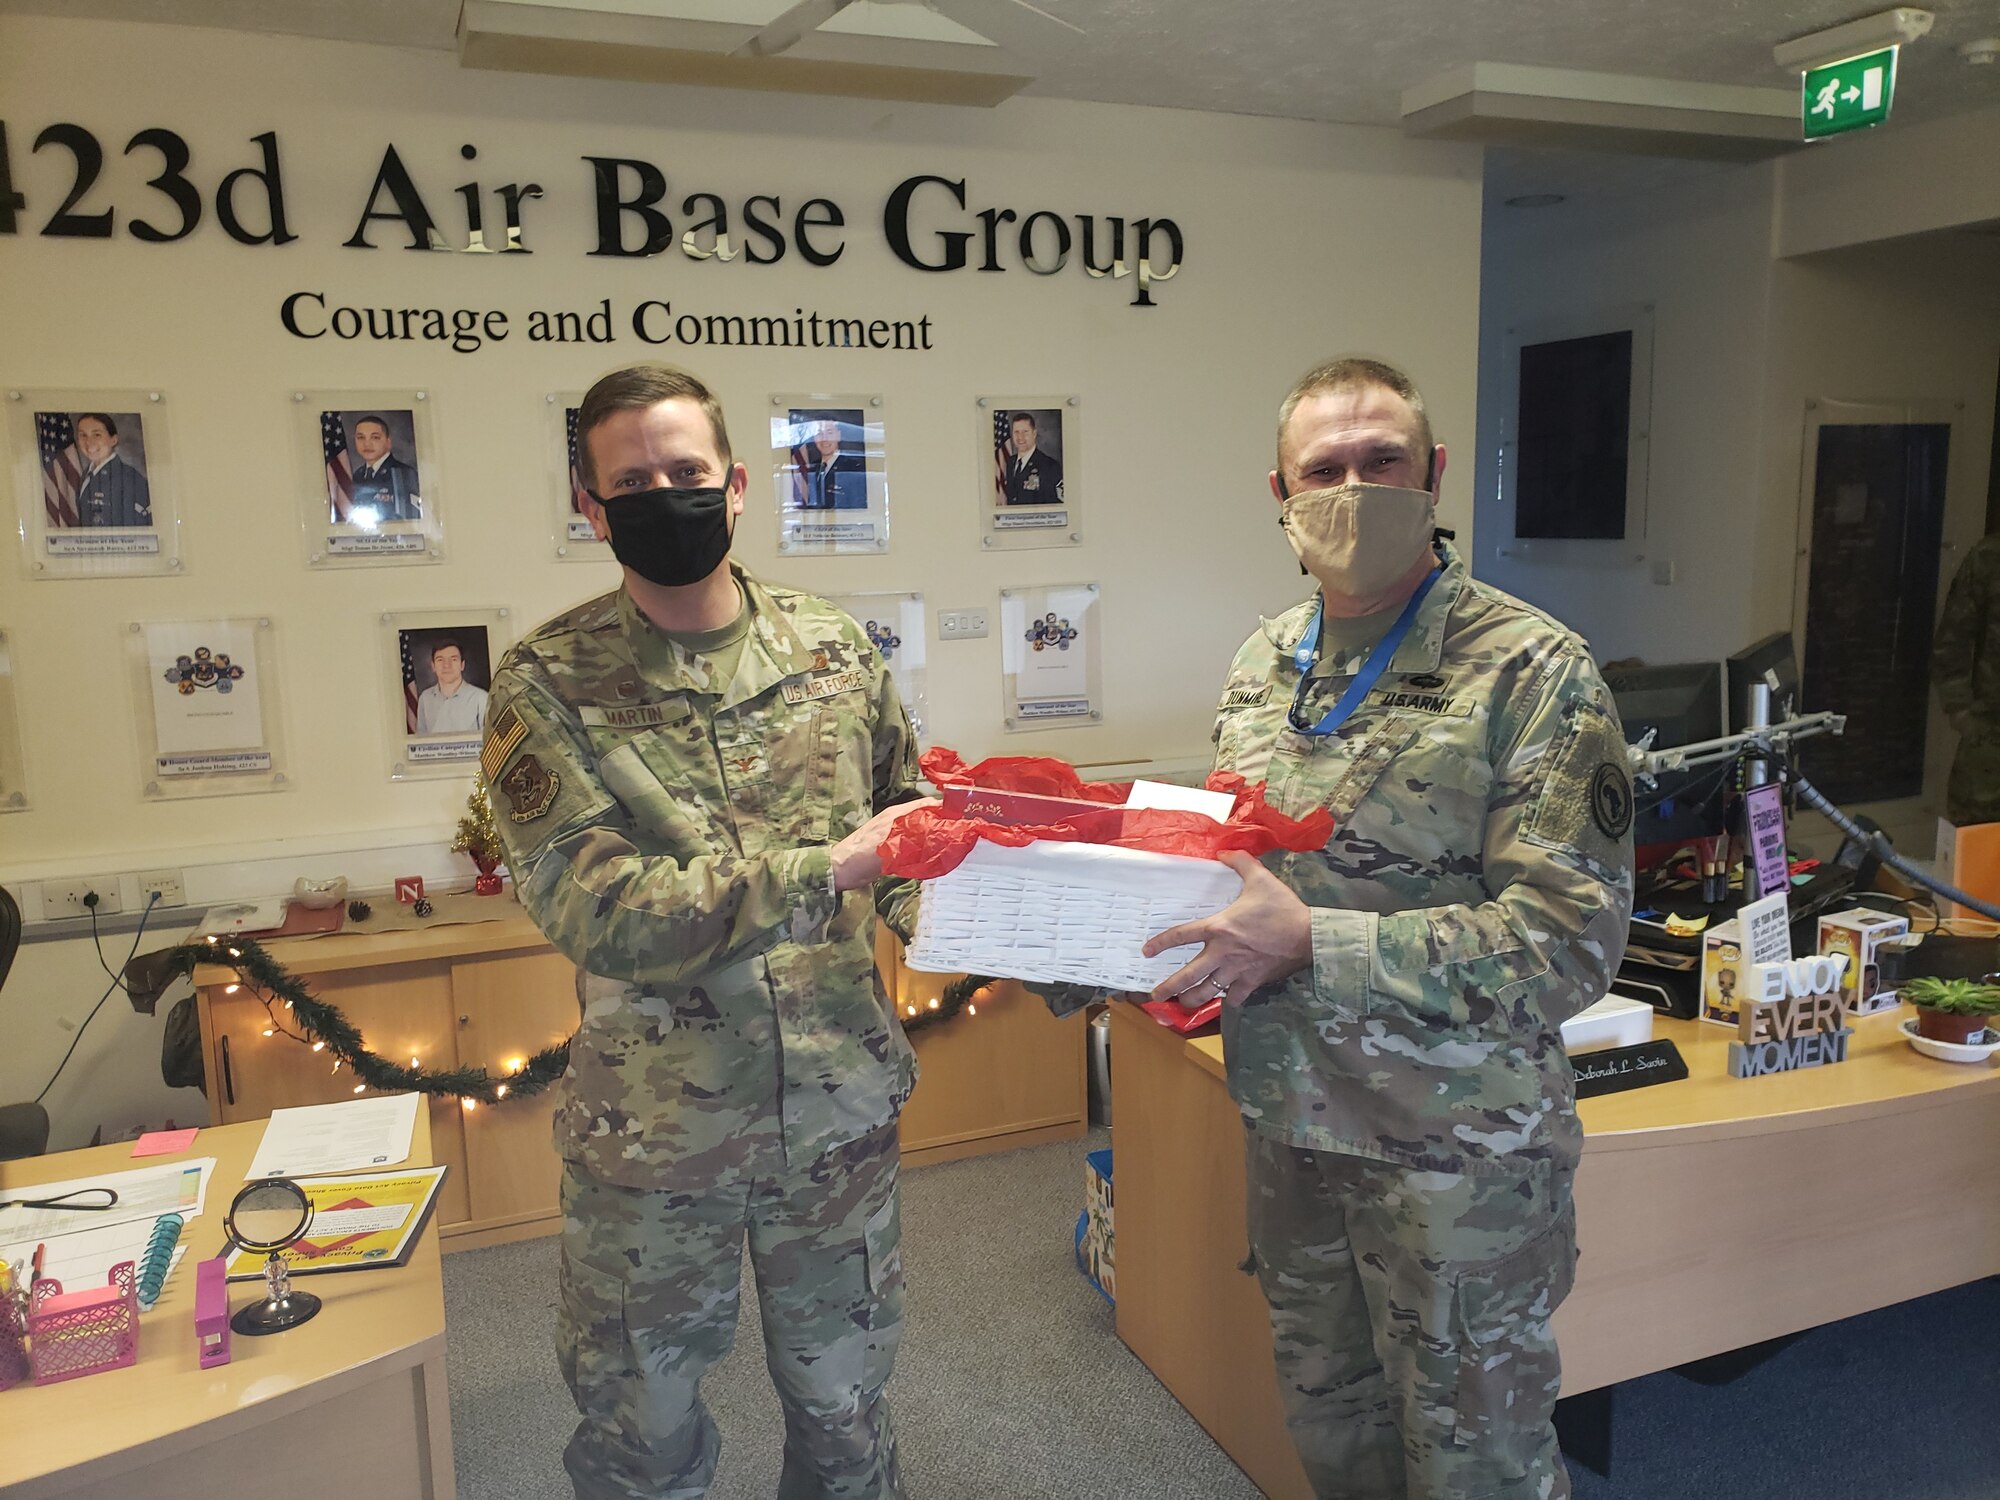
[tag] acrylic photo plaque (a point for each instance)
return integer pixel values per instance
(94, 483)
(368, 484)
(1028, 457)
(575, 539)
(1050, 656)
(829, 474)
(438, 667)
(894, 622)
(207, 699)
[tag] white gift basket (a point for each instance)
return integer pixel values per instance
(1068, 913)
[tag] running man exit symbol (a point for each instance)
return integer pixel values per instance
(1848, 95)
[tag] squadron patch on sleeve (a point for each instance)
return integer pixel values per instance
(530, 789)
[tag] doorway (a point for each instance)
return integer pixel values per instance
(1874, 493)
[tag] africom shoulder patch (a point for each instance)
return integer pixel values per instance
(530, 789)
(1611, 800)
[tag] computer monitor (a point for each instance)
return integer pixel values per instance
(1683, 705)
(1747, 668)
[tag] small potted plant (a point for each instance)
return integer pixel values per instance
(1952, 1010)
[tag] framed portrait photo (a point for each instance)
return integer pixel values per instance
(1028, 453)
(93, 483)
(575, 538)
(1049, 652)
(368, 490)
(829, 474)
(439, 667)
(207, 696)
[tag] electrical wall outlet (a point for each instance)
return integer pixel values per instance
(172, 889)
(961, 624)
(62, 899)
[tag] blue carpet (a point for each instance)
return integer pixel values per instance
(1899, 1403)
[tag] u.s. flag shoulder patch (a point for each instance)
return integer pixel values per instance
(503, 737)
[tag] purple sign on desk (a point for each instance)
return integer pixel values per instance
(1764, 819)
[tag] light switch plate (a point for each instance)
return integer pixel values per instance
(961, 624)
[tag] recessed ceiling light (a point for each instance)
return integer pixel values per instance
(1537, 200)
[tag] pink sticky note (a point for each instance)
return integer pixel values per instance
(165, 1142)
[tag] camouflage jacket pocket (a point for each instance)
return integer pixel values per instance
(664, 806)
(1507, 1363)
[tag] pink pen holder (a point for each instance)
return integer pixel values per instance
(81, 1333)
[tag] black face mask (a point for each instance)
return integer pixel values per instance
(669, 537)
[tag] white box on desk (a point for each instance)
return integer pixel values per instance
(1614, 1021)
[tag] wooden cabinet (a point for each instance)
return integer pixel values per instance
(484, 994)
(490, 994)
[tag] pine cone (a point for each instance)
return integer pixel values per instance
(359, 911)
(423, 908)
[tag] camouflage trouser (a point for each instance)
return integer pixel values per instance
(1972, 795)
(1410, 1317)
(648, 1303)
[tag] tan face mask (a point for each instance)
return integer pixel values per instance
(1359, 539)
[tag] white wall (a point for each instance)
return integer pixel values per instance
(1888, 183)
(1178, 398)
(1743, 339)
(1698, 253)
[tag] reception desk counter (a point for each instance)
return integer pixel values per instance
(1713, 1213)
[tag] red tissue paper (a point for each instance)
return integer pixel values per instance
(928, 843)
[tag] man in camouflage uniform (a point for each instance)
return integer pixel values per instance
(1965, 665)
(695, 772)
(1393, 1002)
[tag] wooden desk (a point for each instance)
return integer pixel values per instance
(1712, 1214)
(350, 1404)
(491, 993)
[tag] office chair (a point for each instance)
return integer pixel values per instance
(24, 1128)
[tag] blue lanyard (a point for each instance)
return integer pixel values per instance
(1306, 656)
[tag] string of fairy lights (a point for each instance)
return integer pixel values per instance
(293, 1011)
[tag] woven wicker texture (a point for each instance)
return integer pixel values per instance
(1065, 913)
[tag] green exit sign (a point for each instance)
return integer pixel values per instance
(1848, 95)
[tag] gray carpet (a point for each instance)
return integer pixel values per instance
(1010, 1383)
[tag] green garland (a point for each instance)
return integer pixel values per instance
(295, 1013)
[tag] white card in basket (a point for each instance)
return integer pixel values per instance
(1065, 913)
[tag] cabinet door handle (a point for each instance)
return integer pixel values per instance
(228, 1076)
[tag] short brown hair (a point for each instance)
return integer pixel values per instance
(1349, 374)
(636, 388)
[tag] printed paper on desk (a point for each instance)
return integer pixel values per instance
(144, 1193)
(357, 1135)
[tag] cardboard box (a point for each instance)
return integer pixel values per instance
(1094, 1241)
(1724, 972)
(1858, 934)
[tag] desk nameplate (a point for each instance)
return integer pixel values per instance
(1639, 1066)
